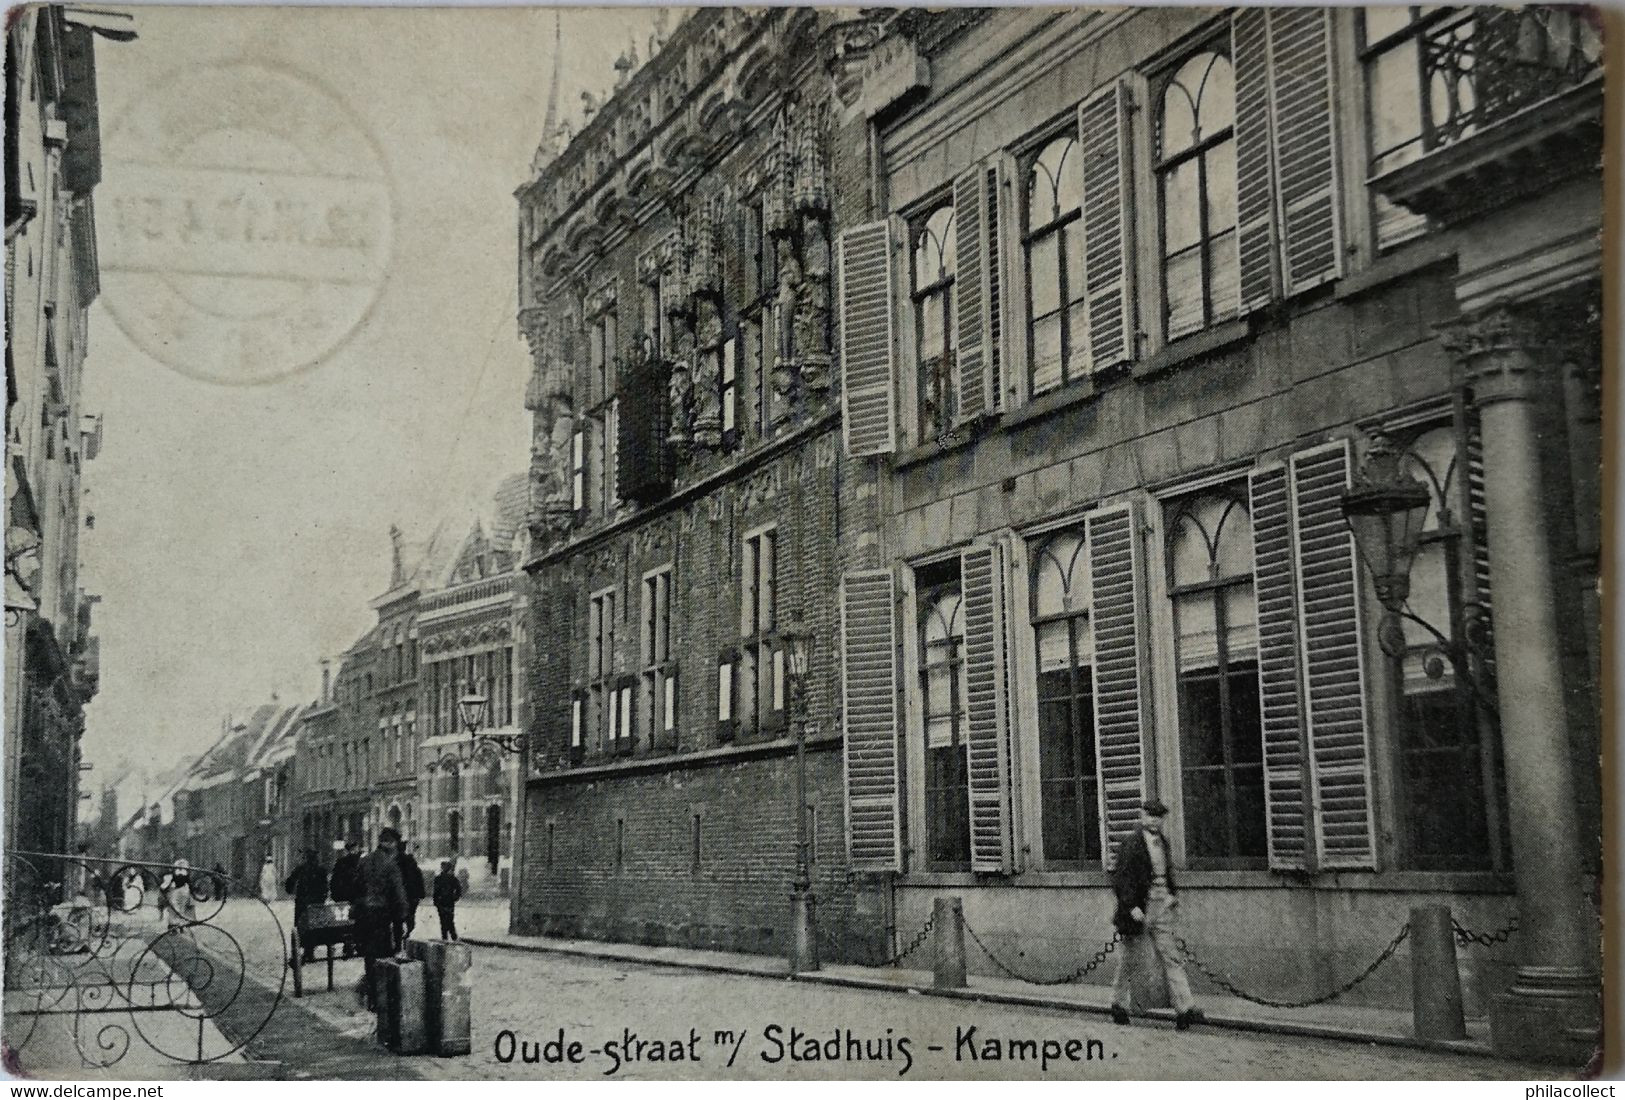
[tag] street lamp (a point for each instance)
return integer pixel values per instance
(1386, 509)
(471, 709)
(797, 644)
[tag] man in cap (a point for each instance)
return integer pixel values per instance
(380, 904)
(1147, 901)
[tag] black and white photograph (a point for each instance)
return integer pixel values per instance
(575, 544)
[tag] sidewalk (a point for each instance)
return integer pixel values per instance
(485, 925)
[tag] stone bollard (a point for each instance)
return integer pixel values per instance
(1435, 983)
(948, 933)
(449, 994)
(401, 1024)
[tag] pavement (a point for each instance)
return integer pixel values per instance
(547, 1009)
(486, 925)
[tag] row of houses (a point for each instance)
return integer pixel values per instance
(385, 743)
(1017, 364)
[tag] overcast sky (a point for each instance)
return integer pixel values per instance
(240, 530)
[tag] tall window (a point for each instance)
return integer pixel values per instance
(652, 315)
(942, 690)
(1196, 178)
(659, 679)
(1069, 781)
(755, 317)
(601, 345)
(1053, 243)
(1452, 786)
(934, 268)
(761, 662)
(608, 457)
(1210, 567)
(603, 711)
(1396, 43)
(578, 471)
(729, 385)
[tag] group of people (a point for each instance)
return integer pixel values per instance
(383, 889)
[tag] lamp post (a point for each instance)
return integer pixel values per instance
(471, 710)
(803, 905)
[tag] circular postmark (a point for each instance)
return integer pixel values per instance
(244, 222)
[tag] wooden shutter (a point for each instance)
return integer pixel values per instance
(1108, 190)
(1305, 138)
(1113, 539)
(1255, 193)
(1285, 793)
(1478, 533)
(868, 395)
(987, 728)
(975, 242)
(1333, 661)
(869, 713)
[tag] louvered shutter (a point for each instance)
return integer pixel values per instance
(1114, 575)
(869, 713)
(973, 298)
(1274, 587)
(1108, 191)
(1333, 661)
(1255, 191)
(987, 734)
(1300, 52)
(868, 396)
(1479, 534)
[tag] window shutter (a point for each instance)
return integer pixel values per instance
(869, 712)
(1113, 538)
(1108, 190)
(987, 729)
(1255, 194)
(1286, 810)
(973, 338)
(1300, 52)
(1479, 535)
(1333, 661)
(868, 396)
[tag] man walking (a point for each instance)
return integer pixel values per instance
(345, 871)
(308, 885)
(412, 879)
(446, 892)
(380, 904)
(1147, 901)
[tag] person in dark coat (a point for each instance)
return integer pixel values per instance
(345, 872)
(379, 906)
(412, 879)
(308, 885)
(1147, 901)
(447, 889)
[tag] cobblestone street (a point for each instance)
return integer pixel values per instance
(650, 1022)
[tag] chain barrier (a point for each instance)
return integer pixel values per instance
(1465, 935)
(1095, 961)
(1231, 988)
(914, 944)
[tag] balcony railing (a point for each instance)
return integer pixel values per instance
(1482, 65)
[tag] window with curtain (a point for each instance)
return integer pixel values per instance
(1052, 242)
(942, 694)
(1210, 580)
(761, 661)
(933, 270)
(1068, 777)
(1196, 182)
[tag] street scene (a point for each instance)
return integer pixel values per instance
(798, 543)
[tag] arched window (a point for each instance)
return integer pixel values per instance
(1210, 566)
(1053, 245)
(934, 268)
(942, 688)
(1451, 780)
(454, 832)
(1196, 176)
(1068, 777)
(454, 785)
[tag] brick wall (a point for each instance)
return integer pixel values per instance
(736, 898)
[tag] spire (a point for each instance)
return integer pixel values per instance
(550, 119)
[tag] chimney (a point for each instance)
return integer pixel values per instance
(327, 681)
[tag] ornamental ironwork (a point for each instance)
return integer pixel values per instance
(116, 955)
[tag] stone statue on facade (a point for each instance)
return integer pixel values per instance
(680, 391)
(810, 323)
(785, 366)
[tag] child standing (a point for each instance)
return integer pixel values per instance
(446, 892)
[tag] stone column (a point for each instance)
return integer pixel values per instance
(1552, 1010)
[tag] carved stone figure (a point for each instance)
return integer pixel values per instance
(784, 310)
(551, 439)
(812, 311)
(680, 390)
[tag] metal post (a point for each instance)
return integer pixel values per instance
(1435, 983)
(804, 927)
(948, 934)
